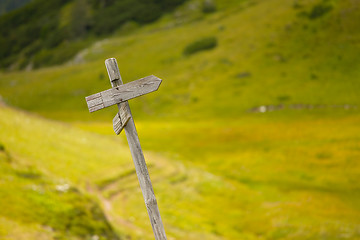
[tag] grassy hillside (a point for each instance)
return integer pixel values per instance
(268, 179)
(259, 118)
(262, 57)
(42, 182)
(44, 33)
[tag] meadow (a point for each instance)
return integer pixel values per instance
(269, 176)
(220, 169)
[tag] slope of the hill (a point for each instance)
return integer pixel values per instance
(43, 168)
(45, 33)
(278, 57)
(268, 179)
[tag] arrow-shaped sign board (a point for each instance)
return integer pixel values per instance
(122, 93)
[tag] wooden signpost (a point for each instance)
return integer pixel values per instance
(119, 94)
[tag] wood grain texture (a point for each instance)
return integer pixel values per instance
(113, 70)
(122, 93)
(121, 119)
(139, 160)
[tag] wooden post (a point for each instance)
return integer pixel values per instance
(138, 156)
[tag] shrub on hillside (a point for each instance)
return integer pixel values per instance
(319, 10)
(200, 45)
(58, 55)
(112, 15)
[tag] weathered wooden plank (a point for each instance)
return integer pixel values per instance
(92, 97)
(96, 107)
(94, 102)
(138, 158)
(117, 125)
(113, 71)
(121, 119)
(122, 93)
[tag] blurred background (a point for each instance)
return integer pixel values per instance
(253, 134)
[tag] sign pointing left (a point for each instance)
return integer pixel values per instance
(122, 93)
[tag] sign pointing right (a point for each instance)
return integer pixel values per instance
(122, 93)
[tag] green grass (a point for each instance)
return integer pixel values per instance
(218, 171)
(40, 188)
(280, 175)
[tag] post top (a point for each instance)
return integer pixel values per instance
(112, 69)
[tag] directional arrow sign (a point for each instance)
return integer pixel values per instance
(122, 93)
(119, 94)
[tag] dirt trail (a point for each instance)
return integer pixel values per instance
(116, 188)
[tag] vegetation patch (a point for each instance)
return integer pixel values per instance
(35, 32)
(319, 10)
(30, 173)
(26, 197)
(283, 98)
(324, 155)
(104, 183)
(200, 45)
(243, 75)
